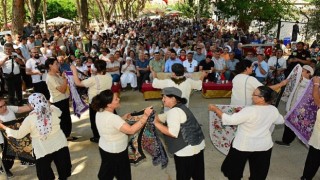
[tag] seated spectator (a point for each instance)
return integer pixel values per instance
(113, 68)
(128, 76)
(156, 65)
(172, 60)
(143, 70)
(199, 56)
(104, 54)
(190, 65)
(260, 68)
(220, 65)
(231, 66)
(251, 57)
(182, 55)
(277, 65)
(225, 54)
(82, 69)
(207, 65)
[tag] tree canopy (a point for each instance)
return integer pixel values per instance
(245, 11)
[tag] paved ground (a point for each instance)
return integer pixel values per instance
(286, 163)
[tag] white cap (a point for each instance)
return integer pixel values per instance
(309, 68)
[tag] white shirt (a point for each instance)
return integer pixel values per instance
(219, 64)
(24, 51)
(105, 58)
(242, 91)
(281, 62)
(254, 122)
(7, 66)
(31, 64)
(174, 118)
(112, 65)
(187, 64)
(111, 140)
(186, 87)
(8, 116)
(55, 141)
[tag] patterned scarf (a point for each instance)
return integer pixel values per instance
(42, 109)
(302, 116)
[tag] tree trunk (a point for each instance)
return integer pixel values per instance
(5, 18)
(18, 16)
(33, 6)
(44, 15)
(101, 10)
(85, 12)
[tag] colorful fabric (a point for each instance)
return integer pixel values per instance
(21, 148)
(79, 106)
(135, 151)
(220, 135)
(302, 116)
(41, 108)
(152, 143)
(294, 78)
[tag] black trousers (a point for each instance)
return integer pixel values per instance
(144, 75)
(14, 85)
(190, 167)
(92, 116)
(312, 164)
(61, 159)
(7, 162)
(114, 165)
(234, 164)
(65, 122)
(288, 135)
(41, 87)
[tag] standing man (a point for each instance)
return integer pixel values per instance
(295, 31)
(9, 63)
(35, 68)
(277, 65)
(299, 56)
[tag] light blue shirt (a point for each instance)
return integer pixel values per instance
(169, 63)
(264, 66)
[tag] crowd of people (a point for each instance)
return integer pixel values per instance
(134, 52)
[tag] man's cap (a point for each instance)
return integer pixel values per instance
(172, 91)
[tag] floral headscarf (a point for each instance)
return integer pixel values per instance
(42, 109)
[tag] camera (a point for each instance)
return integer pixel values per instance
(41, 67)
(12, 56)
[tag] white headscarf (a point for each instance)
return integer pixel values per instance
(41, 108)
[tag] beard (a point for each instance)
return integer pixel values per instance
(36, 56)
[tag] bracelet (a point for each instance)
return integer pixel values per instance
(316, 84)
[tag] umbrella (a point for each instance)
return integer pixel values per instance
(59, 20)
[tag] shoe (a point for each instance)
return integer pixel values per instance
(94, 139)
(71, 138)
(282, 143)
(9, 174)
(24, 163)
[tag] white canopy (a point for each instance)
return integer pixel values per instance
(59, 20)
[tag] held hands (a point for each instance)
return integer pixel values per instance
(148, 111)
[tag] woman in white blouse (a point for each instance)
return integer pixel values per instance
(95, 84)
(113, 131)
(313, 159)
(48, 141)
(45, 49)
(253, 140)
(59, 96)
(243, 84)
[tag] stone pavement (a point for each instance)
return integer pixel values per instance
(286, 163)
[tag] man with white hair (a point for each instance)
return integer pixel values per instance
(129, 75)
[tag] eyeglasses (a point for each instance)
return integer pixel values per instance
(3, 105)
(34, 52)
